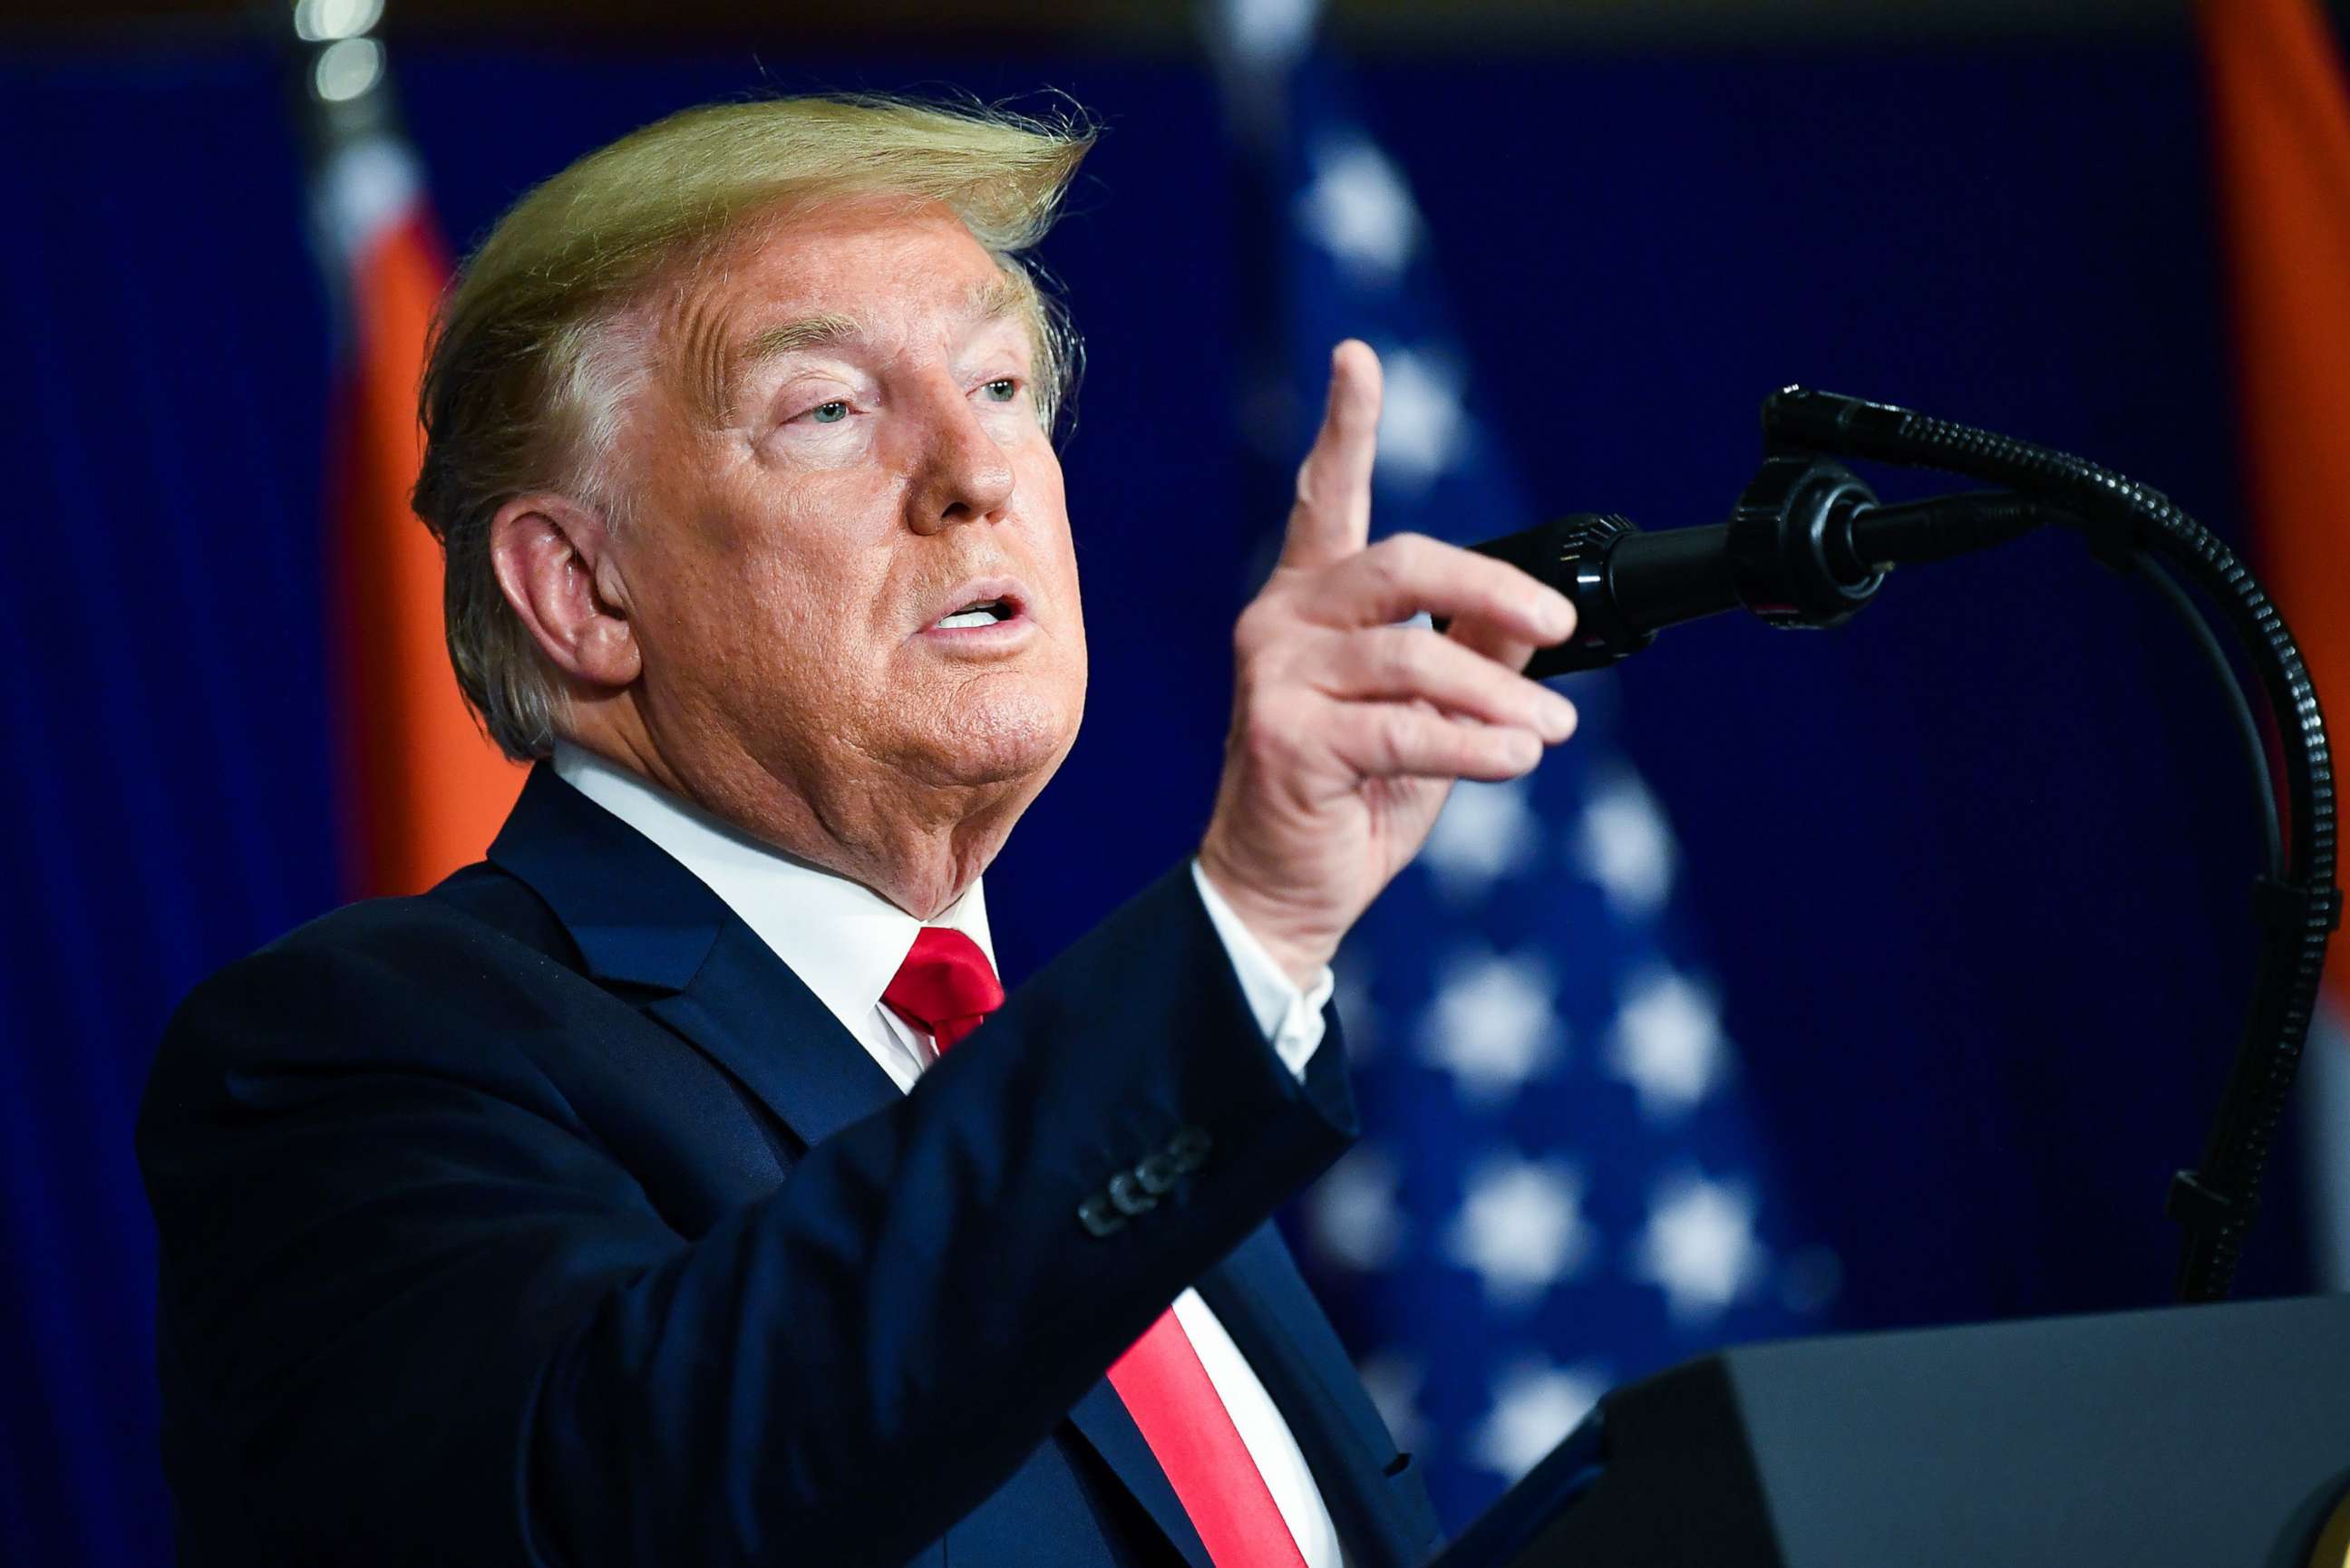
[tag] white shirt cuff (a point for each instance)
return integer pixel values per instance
(1291, 1018)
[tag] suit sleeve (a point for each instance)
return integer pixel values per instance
(1291, 1019)
(420, 1314)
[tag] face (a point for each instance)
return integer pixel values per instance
(850, 568)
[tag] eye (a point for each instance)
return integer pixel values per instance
(830, 413)
(1003, 390)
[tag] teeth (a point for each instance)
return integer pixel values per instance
(986, 612)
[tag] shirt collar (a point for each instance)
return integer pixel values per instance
(844, 940)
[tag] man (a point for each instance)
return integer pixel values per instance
(615, 1202)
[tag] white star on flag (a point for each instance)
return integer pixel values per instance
(1492, 1026)
(1624, 846)
(1542, 1003)
(1521, 1227)
(1535, 1406)
(1360, 210)
(1353, 1213)
(1667, 1044)
(1422, 428)
(1700, 1247)
(1484, 832)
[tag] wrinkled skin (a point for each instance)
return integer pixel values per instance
(796, 534)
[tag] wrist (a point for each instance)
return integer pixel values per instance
(1301, 955)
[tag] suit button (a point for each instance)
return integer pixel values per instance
(1159, 1173)
(1098, 1217)
(1126, 1191)
(1188, 1148)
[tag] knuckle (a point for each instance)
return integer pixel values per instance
(1407, 657)
(1412, 551)
(1267, 721)
(1383, 565)
(1258, 625)
(1397, 732)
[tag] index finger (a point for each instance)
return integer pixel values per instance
(1411, 573)
(1332, 516)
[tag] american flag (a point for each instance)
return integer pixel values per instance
(1561, 1185)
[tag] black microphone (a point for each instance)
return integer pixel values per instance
(1808, 546)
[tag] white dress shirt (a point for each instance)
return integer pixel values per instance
(845, 943)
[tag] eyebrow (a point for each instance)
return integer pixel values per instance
(791, 337)
(1001, 297)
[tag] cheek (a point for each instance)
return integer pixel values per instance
(811, 613)
(1048, 517)
(785, 588)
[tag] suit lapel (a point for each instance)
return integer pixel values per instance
(746, 1010)
(1275, 1320)
(643, 922)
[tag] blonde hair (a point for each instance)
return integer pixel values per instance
(531, 368)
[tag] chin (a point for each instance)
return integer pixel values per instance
(1008, 738)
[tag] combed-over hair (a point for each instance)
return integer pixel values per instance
(530, 372)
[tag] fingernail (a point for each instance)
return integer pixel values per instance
(1557, 615)
(1557, 716)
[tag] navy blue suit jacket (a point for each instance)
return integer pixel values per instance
(547, 1218)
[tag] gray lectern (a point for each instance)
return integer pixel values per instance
(2203, 1436)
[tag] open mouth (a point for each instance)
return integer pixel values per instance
(979, 612)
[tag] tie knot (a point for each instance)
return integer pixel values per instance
(946, 985)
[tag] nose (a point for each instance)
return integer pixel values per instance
(962, 474)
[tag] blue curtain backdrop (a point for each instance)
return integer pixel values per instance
(1973, 871)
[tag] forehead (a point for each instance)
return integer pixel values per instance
(876, 249)
(869, 273)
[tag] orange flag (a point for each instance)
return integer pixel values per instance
(2281, 140)
(2281, 124)
(427, 789)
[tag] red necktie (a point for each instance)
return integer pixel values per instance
(947, 986)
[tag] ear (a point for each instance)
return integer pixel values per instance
(553, 560)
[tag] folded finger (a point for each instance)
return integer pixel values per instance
(1402, 662)
(1401, 739)
(1498, 644)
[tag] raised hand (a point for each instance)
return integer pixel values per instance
(1347, 728)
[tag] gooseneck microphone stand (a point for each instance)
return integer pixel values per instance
(1809, 545)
